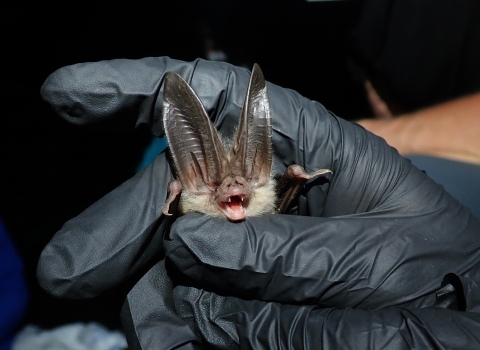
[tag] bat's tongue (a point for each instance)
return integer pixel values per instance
(234, 208)
(236, 204)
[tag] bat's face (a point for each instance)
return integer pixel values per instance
(217, 181)
(232, 197)
(237, 198)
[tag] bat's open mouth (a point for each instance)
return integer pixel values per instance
(233, 207)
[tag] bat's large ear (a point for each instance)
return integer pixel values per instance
(251, 154)
(194, 143)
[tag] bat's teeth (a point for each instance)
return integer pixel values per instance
(229, 199)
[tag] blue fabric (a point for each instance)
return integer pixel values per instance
(13, 290)
(156, 146)
(462, 180)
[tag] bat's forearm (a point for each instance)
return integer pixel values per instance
(174, 193)
(291, 183)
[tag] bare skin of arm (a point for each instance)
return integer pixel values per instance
(449, 130)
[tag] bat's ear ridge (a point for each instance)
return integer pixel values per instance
(251, 154)
(195, 145)
(171, 78)
(257, 79)
(173, 84)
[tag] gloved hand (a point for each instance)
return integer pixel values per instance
(380, 257)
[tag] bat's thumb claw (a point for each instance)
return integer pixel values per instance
(165, 211)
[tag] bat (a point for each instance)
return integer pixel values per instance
(225, 178)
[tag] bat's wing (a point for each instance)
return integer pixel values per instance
(251, 154)
(198, 153)
(292, 182)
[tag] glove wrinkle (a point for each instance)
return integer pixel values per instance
(107, 239)
(291, 259)
(459, 293)
(156, 325)
(233, 323)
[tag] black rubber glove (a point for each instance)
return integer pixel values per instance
(389, 236)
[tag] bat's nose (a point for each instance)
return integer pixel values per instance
(233, 186)
(236, 190)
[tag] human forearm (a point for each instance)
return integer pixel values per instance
(450, 130)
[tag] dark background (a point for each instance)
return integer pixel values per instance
(52, 171)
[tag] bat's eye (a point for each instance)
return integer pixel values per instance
(216, 189)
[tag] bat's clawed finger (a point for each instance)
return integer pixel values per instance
(174, 193)
(292, 182)
(297, 172)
